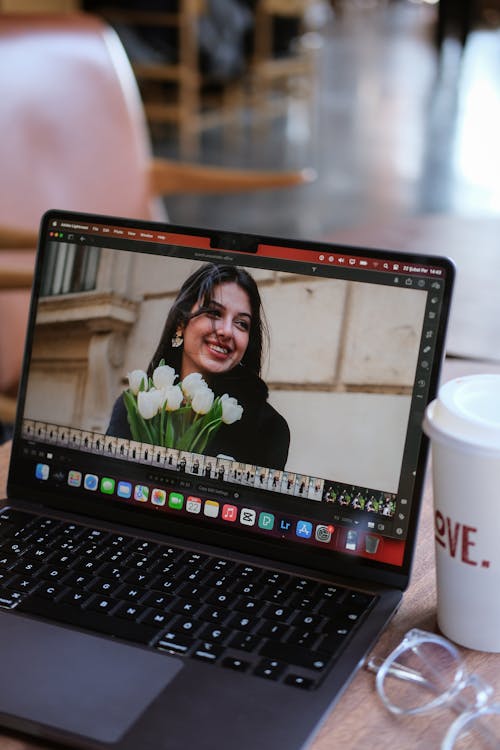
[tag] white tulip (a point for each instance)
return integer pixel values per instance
(202, 400)
(149, 402)
(135, 379)
(164, 376)
(231, 409)
(173, 397)
(192, 383)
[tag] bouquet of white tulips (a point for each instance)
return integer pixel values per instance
(183, 416)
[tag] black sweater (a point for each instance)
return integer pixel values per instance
(260, 437)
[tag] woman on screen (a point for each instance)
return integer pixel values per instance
(215, 328)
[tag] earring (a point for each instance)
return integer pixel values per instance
(177, 340)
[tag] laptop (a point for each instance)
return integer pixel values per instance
(215, 480)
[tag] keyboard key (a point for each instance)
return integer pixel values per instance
(245, 642)
(271, 629)
(191, 591)
(158, 600)
(78, 579)
(194, 559)
(221, 566)
(303, 585)
(275, 579)
(249, 606)
(156, 618)
(135, 577)
(76, 597)
(296, 680)
(248, 572)
(271, 669)
(302, 602)
(128, 611)
(7, 560)
(186, 625)
(214, 615)
(222, 599)
(101, 604)
(20, 583)
(185, 607)
(215, 634)
(111, 571)
(278, 595)
(247, 588)
(180, 644)
(238, 665)
(281, 614)
(242, 622)
(9, 598)
(307, 620)
(143, 547)
(207, 651)
(104, 586)
(301, 657)
(50, 591)
(302, 637)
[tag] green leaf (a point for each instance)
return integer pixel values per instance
(132, 414)
(200, 442)
(185, 440)
(169, 435)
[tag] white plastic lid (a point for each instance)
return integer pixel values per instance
(468, 410)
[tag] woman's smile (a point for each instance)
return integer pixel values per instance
(217, 349)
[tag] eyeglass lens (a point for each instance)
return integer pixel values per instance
(480, 732)
(435, 669)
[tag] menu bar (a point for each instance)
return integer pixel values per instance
(79, 232)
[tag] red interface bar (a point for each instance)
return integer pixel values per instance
(321, 257)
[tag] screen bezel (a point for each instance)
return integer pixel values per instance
(324, 561)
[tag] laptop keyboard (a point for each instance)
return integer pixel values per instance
(243, 617)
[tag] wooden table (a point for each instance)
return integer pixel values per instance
(359, 720)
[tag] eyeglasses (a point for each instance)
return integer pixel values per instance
(426, 672)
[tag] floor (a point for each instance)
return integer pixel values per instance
(398, 129)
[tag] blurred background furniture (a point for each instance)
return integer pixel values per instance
(281, 73)
(74, 136)
(203, 63)
(163, 48)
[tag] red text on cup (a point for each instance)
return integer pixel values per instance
(455, 537)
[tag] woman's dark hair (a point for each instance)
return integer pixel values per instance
(199, 288)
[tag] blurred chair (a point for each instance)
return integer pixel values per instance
(74, 136)
(188, 57)
(279, 76)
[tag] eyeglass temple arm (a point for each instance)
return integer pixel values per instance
(374, 663)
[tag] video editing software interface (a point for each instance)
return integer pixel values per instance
(277, 393)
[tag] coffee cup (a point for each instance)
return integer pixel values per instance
(463, 423)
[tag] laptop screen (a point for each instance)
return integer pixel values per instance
(269, 390)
